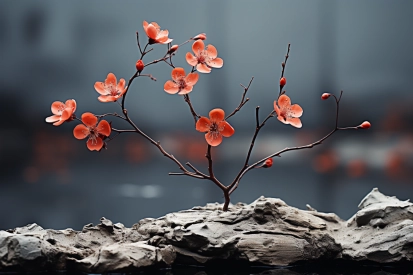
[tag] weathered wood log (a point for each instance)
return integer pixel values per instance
(265, 232)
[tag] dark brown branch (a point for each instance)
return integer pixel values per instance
(258, 127)
(194, 114)
(235, 184)
(243, 99)
(211, 170)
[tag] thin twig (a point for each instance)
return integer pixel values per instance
(194, 114)
(283, 66)
(243, 99)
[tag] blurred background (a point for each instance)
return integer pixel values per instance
(56, 50)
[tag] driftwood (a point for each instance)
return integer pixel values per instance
(265, 232)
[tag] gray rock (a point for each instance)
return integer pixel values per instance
(265, 232)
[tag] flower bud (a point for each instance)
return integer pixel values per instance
(267, 163)
(173, 49)
(283, 81)
(201, 36)
(140, 65)
(365, 125)
(325, 96)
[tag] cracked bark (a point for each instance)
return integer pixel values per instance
(265, 232)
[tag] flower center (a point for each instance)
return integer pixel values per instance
(93, 134)
(202, 58)
(213, 128)
(181, 83)
(113, 91)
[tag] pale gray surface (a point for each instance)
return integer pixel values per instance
(265, 232)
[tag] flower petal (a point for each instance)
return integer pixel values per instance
(225, 129)
(186, 90)
(178, 73)
(59, 122)
(213, 139)
(295, 121)
(198, 47)
(96, 144)
(296, 110)
(110, 80)
(81, 131)
(104, 128)
(284, 101)
(202, 68)
(89, 119)
(151, 31)
(121, 85)
(211, 51)
(100, 88)
(203, 124)
(191, 79)
(164, 40)
(215, 63)
(66, 114)
(71, 103)
(191, 59)
(156, 25)
(52, 118)
(57, 107)
(171, 87)
(145, 25)
(107, 98)
(217, 115)
(282, 119)
(276, 109)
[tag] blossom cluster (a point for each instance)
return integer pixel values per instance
(202, 60)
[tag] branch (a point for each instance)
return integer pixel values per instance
(235, 184)
(194, 114)
(243, 100)
(283, 66)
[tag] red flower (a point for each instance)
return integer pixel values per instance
(153, 31)
(215, 127)
(110, 90)
(61, 111)
(93, 131)
(204, 59)
(287, 113)
(181, 83)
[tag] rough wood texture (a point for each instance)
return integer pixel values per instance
(265, 232)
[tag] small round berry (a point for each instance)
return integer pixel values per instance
(325, 96)
(365, 125)
(268, 163)
(140, 65)
(283, 81)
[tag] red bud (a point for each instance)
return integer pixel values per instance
(365, 125)
(325, 96)
(267, 163)
(173, 49)
(201, 36)
(283, 81)
(140, 65)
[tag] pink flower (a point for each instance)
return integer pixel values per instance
(204, 59)
(62, 111)
(215, 127)
(181, 83)
(287, 113)
(93, 131)
(110, 90)
(153, 31)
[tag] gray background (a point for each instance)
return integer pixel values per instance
(57, 50)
